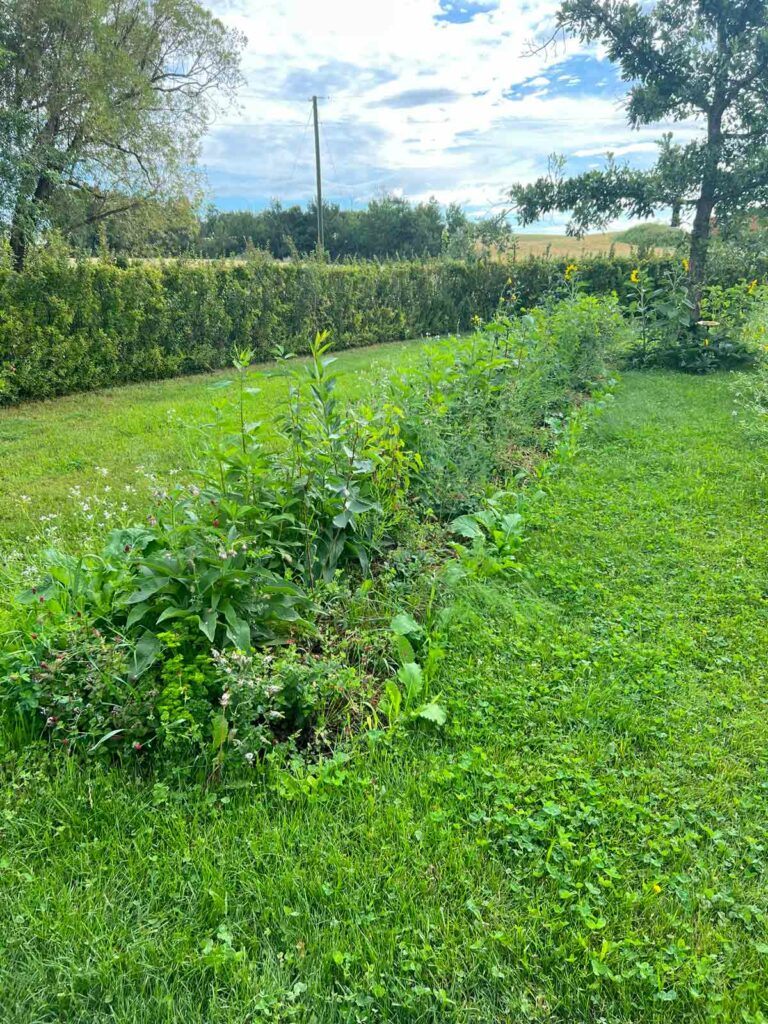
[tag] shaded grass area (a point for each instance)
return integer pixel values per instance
(48, 448)
(586, 841)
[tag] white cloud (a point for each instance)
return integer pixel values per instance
(627, 150)
(413, 103)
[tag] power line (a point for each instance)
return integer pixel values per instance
(292, 178)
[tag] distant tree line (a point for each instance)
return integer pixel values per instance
(390, 226)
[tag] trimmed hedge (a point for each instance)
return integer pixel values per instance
(68, 327)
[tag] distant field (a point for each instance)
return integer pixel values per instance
(565, 245)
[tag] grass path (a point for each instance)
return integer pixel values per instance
(586, 841)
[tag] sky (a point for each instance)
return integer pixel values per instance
(421, 98)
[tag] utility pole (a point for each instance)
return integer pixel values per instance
(320, 239)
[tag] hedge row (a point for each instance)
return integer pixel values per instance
(73, 327)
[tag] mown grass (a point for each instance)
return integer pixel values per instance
(585, 841)
(49, 448)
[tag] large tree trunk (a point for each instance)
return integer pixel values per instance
(700, 232)
(705, 205)
(18, 239)
(25, 216)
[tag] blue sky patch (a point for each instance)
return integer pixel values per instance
(461, 12)
(432, 97)
(577, 75)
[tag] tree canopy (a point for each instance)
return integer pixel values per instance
(683, 59)
(104, 99)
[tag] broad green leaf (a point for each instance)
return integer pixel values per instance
(433, 713)
(152, 586)
(174, 612)
(145, 653)
(466, 526)
(404, 624)
(219, 731)
(208, 623)
(394, 700)
(411, 676)
(405, 651)
(343, 519)
(136, 614)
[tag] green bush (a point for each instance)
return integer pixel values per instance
(651, 236)
(67, 327)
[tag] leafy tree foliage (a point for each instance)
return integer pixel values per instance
(106, 99)
(702, 59)
(390, 226)
(154, 227)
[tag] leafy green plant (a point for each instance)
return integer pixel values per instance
(406, 698)
(496, 534)
(667, 335)
(280, 699)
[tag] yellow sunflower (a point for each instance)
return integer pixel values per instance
(570, 271)
(634, 277)
(686, 264)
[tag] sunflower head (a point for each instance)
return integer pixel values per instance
(634, 277)
(570, 271)
(686, 264)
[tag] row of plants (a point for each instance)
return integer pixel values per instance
(288, 593)
(67, 327)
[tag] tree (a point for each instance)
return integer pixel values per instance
(466, 239)
(153, 228)
(702, 59)
(106, 98)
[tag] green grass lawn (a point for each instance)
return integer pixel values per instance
(49, 448)
(587, 840)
